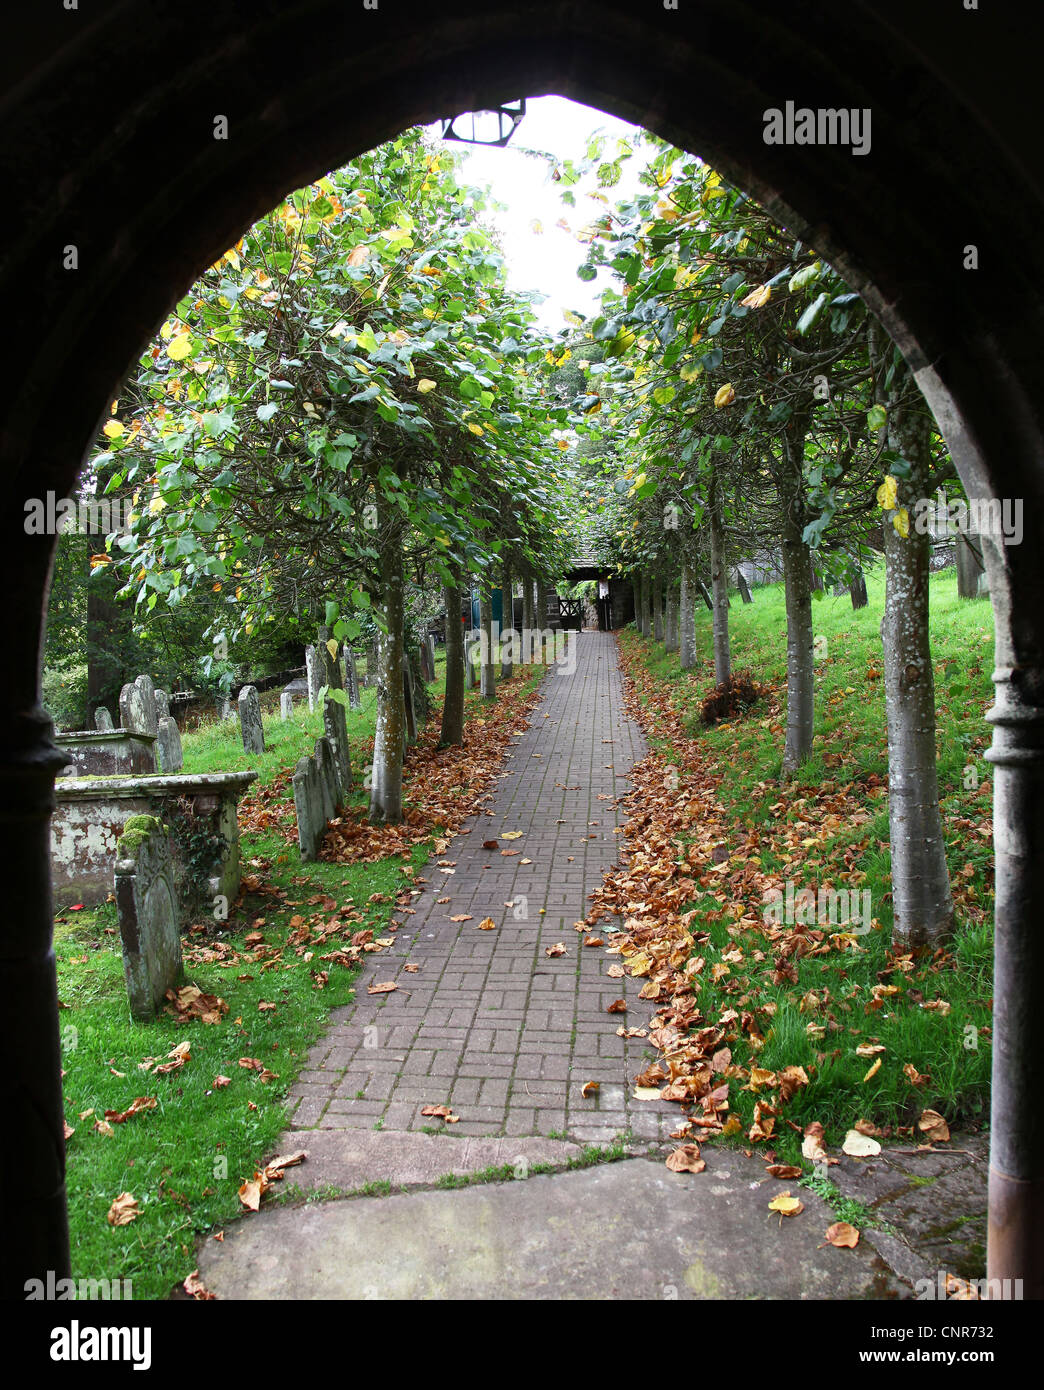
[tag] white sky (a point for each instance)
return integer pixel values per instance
(547, 261)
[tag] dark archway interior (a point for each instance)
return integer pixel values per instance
(108, 116)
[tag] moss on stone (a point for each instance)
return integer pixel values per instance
(135, 831)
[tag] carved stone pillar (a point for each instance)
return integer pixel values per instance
(1016, 1185)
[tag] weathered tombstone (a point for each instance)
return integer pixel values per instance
(335, 726)
(470, 666)
(134, 714)
(351, 680)
(286, 706)
(168, 745)
(250, 720)
(313, 666)
(223, 708)
(102, 719)
(148, 696)
(308, 805)
(424, 666)
(324, 762)
(148, 916)
(162, 700)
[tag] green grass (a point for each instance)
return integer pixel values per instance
(795, 841)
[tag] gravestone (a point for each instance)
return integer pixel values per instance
(427, 662)
(148, 696)
(314, 669)
(324, 762)
(168, 745)
(335, 726)
(308, 803)
(250, 720)
(223, 708)
(286, 706)
(135, 716)
(147, 912)
(102, 719)
(162, 700)
(351, 680)
(470, 666)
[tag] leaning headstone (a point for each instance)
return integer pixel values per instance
(351, 680)
(102, 718)
(308, 804)
(324, 762)
(286, 706)
(335, 726)
(148, 696)
(162, 700)
(250, 720)
(168, 745)
(314, 669)
(134, 713)
(146, 908)
(470, 666)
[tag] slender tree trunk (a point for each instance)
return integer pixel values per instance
(452, 732)
(797, 583)
(688, 614)
(857, 589)
(636, 590)
(969, 565)
(527, 619)
(390, 734)
(719, 586)
(921, 901)
(646, 605)
(671, 620)
(742, 586)
(488, 677)
(657, 603)
(507, 624)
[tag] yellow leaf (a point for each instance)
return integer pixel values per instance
(331, 647)
(724, 395)
(887, 494)
(179, 347)
(475, 429)
(786, 1205)
(425, 385)
(901, 522)
(757, 297)
(113, 429)
(873, 1070)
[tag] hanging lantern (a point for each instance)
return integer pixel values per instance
(493, 125)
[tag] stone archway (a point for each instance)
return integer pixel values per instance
(117, 194)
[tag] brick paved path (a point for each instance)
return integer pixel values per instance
(489, 1025)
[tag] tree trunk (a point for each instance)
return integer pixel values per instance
(969, 565)
(657, 603)
(688, 614)
(742, 586)
(507, 624)
(719, 586)
(857, 589)
(527, 620)
(646, 625)
(797, 583)
(540, 614)
(921, 901)
(390, 734)
(671, 621)
(452, 732)
(488, 678)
